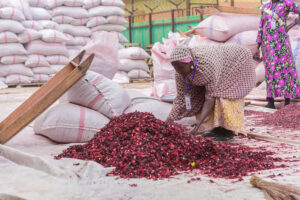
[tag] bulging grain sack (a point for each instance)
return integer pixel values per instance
(121, 77)
(91, 3)
(260, 72)
(40, 13)
(48, 24)
(47, 49)
(11, 26)
(57, 68)
(75, 12)
(6, 70)
(96, 21)
(118, 3)
(246, 39)
(109, 27)
(40, 78)
(74, 3)
(57, 60)
(8, 37)
(61, 19)
(15, 79)
(11, 13)
(75, 30)
(116, 20)
(164, 88)
(133, 53)
(36, 61)
(79, 22)
(9, 49)
(197, 40)
(43, 70)
(105, 11)
(9, 60)
(21, 5)
(80, 126)
(32, 25)
(105, 46)
(99, 93)
(81, 41)
(53, 36)
(138, 74)
(39, 3)
(55, 3)
(220, 27)
(122, 38)
(128, 65)
(160, 110)
(3, 85)
(29, 35)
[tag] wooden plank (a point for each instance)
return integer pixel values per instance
(150, 28)
(43, 98)
(26, 85)
(143, 80)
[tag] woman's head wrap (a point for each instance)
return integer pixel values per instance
(181, 53)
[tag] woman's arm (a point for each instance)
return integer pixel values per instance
(206, 110)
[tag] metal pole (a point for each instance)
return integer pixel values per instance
(150, 27)
(173, 20)
(130, 29)
(188, 5)
(132, 10)
(232, 3)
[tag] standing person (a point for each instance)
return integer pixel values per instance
(212, 81)
(281, 75)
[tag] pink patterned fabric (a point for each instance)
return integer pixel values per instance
(186, 60)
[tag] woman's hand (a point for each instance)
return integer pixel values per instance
(257, 54)
(198, 128)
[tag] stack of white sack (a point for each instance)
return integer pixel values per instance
(132, 61)
(72, 18)
(43, 39)
(106, 15)
(13, 54)
(91, 103)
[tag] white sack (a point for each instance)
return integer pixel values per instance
(12, 49)
(116, 20)
(57, 60)
(197, 40)
(128, 65)
(40, 78)
(138, 74)
(57, 68)
(6, 70)
(81, 41)
(11, 13)
(74, 3)
(9, 60)
(47, 24)
(99, 93)
(109, 27)
(17, 79)
(105, 11)
(36, 61)
(80, 126)
(75, 12)
(222, 26)
(11, 26)
(21, 5)
(32, 25)
(121, 77)
(75, 30)
(3, 85)
(79, 22)
(246, 39)
(61, 19)
(8, 37)
(29, 35)
(96, 21)
(43, 70)
(122, 38)
(53, 36)
(40, 14)
(39, 3)
(91, 3)
(47, 49)
(118, 3)
(133, 53)
(160, 110)
(105, 46)
(55, 3)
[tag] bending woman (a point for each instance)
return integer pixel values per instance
(212, 81)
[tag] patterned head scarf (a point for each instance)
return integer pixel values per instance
(181, 52)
